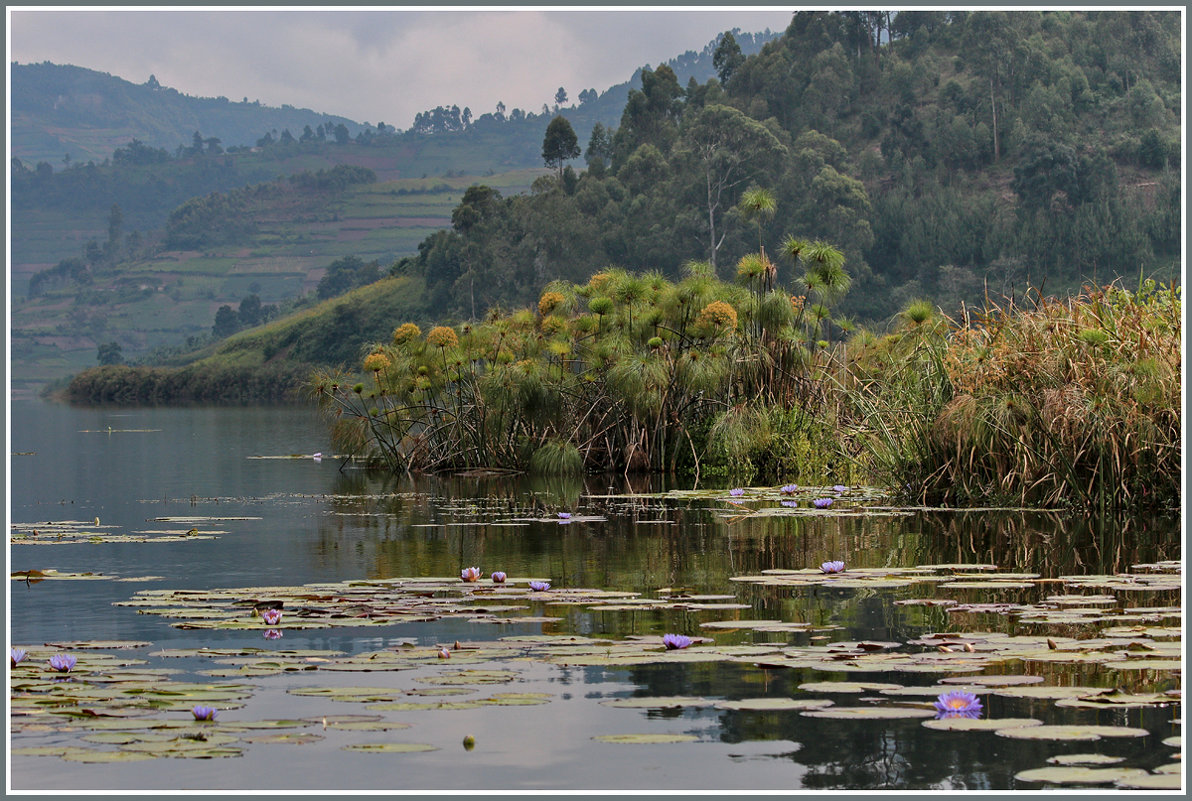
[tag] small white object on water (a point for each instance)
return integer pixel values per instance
(318, 457)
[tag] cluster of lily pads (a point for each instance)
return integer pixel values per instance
(117, 701)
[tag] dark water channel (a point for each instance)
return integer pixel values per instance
(296, 521)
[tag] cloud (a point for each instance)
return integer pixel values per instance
(374, 65)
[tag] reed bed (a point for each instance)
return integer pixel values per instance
(1053, 403)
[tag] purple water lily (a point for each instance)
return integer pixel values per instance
(737, 492)
(540, 586)
(835, 566)
(957, 704)
(204, 712)
(793, 504)
(788, 489)
(271, 616)
(839, 488)
(273, 634)
(822, 503)
(63, 663)
(498, 577)
(564, 515)
(16, 655)
(674, 642)
(470, 574)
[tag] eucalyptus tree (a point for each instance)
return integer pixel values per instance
(727, 150)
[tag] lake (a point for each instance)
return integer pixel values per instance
(204, 512)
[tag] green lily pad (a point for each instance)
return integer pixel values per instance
(993, 681)
(95, 756)
(643, 739)
(473, 677)
(252, 725)
(1075, 733)
(298, 738)
(1078, 775)
(348, 693)
(846, 686)
(1152, 781)
(1050, 693)
(870, 713)
(1085, 759)
(661, 702)
(768, 704)
(980, 724)
(1145, 664)
(390, 748)
(367, 725)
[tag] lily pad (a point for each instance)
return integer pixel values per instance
(298, 738)
(980, 724)
(769, 704)
(1075, 733)
(1078, 775)
(643, 739)
(1152, 781)
(390, 748)
(662, 702)
(1085, 759)
(846, 686)
(870, 713)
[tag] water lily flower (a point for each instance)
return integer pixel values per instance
(16, 655)
(273, 634)
(498, 577)
(564, 515)
(957, 704)
(470, 574)
(822, 503)
(835, 566)
(271, 616)
(674, 642)
(63, 663)
(839, 488)
(788, 489)
(204, 713)
(790, 503)
(444, 653)
(540, 586)
(736, 493)
(318, 457)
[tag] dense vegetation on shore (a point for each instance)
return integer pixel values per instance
(1052, 403)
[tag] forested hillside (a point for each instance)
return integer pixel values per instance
(943, 153)
(198, 204)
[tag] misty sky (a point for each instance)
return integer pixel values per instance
(376, 64)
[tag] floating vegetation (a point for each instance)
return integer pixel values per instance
(73, 532)
(1073, 732)
(33, 576)
(1078, 775)
(645, 739)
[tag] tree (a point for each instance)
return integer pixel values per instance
(729, 150)
(560, 97)
(251, 311)
(109, 353)
(227, 322)
(727, 56)
(559, 144)
(600, 148)
(342, 136)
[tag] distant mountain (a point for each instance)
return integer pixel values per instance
(62, 109)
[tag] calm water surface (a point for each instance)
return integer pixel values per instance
(303, 521)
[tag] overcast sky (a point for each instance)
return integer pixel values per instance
(376, 64)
